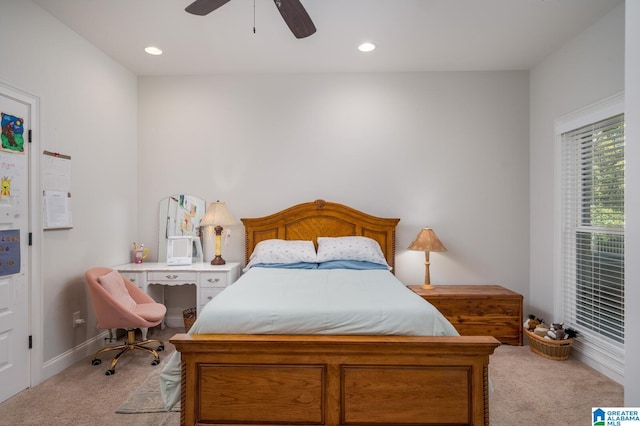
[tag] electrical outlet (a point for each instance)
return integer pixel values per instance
(76, 319)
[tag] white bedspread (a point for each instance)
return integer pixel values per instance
(299, 301)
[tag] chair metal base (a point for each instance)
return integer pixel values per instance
(130, 344)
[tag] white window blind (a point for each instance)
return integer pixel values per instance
(592, 237)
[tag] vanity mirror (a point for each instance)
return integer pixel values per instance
(180, 216)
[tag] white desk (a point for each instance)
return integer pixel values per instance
(209, 279)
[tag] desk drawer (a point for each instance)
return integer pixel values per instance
(169, 277)
(134, 277)
(214, 279)
(206, 294)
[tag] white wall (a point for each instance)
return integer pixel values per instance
(448, 150)
(88, 110)
(632, 203)
(586, 70)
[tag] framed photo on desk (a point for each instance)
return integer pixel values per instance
(184, 250)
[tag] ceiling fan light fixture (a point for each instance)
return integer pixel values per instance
(152, 50)
(366, 47)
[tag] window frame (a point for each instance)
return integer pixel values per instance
(605, 358)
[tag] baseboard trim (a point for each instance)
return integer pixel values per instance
(610, 368)
(67, 359)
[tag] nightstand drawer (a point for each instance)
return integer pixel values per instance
(470, 309)
(505, 328)
(214, 279)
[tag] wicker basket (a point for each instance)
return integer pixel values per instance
(189, 317)
(557, 350)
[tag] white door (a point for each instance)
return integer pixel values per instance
(14, 243)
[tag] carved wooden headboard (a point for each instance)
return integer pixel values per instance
(308, 221)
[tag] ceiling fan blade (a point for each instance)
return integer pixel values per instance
(296, 17)
(204, 7)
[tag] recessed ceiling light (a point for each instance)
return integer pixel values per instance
(151, 50)
(366, 47)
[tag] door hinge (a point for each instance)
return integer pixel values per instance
(30, 238)
(30, 342)
(29, 135)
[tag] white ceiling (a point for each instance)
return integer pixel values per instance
(411, 35)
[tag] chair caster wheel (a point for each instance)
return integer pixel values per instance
(160, 348)
(96, 361)
(110, 372)
(155, 362)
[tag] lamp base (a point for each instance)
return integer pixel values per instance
(428, 286)
(218, 260)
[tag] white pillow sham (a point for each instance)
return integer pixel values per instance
(350, 248)
(283, 252)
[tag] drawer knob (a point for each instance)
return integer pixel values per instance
(209, 297)
(213, 280)
(172, 277)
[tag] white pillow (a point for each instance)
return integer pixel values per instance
(113, 283)
(284, 252)
(350, 248)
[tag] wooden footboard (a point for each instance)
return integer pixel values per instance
(334, 380)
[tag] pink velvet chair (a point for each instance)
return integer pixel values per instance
(118, 303)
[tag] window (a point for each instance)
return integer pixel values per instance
(592, 237)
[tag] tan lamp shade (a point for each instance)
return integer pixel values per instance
(427, 241)
(218, 215)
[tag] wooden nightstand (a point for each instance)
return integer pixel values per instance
(479, 310)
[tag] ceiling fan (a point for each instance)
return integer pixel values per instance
(292, 11)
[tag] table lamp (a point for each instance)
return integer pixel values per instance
(217, 215)
(427, 241)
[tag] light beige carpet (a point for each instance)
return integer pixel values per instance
(532, 390)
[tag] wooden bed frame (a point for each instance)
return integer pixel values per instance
(332, 380)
